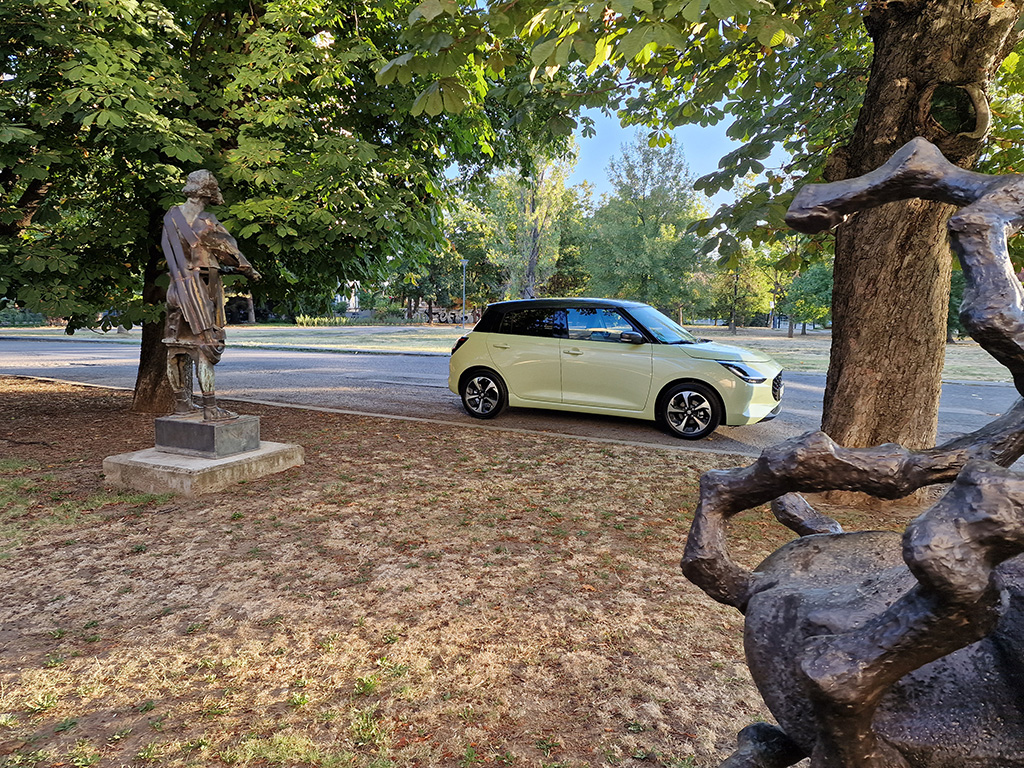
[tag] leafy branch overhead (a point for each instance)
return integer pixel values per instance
(789, 78)
(106, 105)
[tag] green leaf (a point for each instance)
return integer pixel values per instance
(388, 72)
(672, 9)
(428, 10)
(694, 10)
(435, 103)
(635, 40)
(724, 9)
(542, 51)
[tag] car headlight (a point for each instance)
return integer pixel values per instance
(744, 372)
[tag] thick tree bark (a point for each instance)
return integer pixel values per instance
(152, 390)
(892, 265)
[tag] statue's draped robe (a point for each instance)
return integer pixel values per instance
(195, 297)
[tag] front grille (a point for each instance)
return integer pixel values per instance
(777, 387)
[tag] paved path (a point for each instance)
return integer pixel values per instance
(416, 386)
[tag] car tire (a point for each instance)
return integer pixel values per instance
(484, 394)
(690, 411)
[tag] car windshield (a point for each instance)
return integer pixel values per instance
(665, 330)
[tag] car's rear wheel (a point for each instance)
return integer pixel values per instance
(690, 411)
(484, 394)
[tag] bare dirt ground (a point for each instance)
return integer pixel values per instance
(409, 597)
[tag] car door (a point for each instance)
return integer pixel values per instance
(598, 368)
(525, 351)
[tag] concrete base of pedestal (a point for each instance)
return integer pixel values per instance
(153, 471)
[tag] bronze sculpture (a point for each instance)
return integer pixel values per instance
(872, 650)
(198, 249)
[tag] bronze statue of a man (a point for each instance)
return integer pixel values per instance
(198, 249)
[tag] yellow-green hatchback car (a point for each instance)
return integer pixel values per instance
(610, 357)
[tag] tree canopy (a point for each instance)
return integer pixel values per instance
(638, 246)
(108, 103)
(783, 74)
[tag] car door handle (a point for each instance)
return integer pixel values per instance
(501, 346)
(573, 351)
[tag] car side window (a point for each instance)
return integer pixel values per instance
(596, 324)
(546, 323)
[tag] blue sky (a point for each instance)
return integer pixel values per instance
(702, 147)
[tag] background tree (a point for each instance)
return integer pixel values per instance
(809, 77)
(471, 232)
(528, 210)
(570, 276)
(638, 246)
(809, 297)
(741, 289)
(954, 328)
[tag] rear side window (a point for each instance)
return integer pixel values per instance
(543, 322)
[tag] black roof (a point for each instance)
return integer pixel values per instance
(491, 319)
(575, 301)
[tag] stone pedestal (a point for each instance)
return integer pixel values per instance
(191, 436)
(158, 471)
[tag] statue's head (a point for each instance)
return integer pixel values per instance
(203, 184)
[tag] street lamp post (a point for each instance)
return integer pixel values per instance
(464, 263)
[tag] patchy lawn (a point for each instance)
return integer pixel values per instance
(409, 597)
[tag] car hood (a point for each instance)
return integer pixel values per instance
(711, 350)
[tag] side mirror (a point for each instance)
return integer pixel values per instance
(631, 337)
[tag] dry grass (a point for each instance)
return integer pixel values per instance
(408, 598)
(965, 360)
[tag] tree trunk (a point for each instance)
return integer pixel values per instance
(250, 309)
(792, 327)
(892, 265)
(152, 390)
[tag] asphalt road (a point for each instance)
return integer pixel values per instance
(416, 386)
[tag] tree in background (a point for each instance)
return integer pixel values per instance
(471, 231)
(528, 211)
(525, 228)
(954, 328)
(570, 276)
(809, 297)
(638, 246)
(741, 288)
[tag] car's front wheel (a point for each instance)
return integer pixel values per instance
(690, 411)
(484, 394)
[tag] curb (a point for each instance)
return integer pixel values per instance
(242, 345)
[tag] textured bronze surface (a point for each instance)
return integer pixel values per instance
(198, 249)
(874, 650)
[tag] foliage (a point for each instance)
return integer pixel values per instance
(570, 276)
(516, 231)
(526, 211)
(667, 62)
(471, 229)
(107, 104)
(790, 78)
(12, 316)
(638, 246)
(809, 298)
(742, 291)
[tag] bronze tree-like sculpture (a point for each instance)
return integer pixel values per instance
(870, 650)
